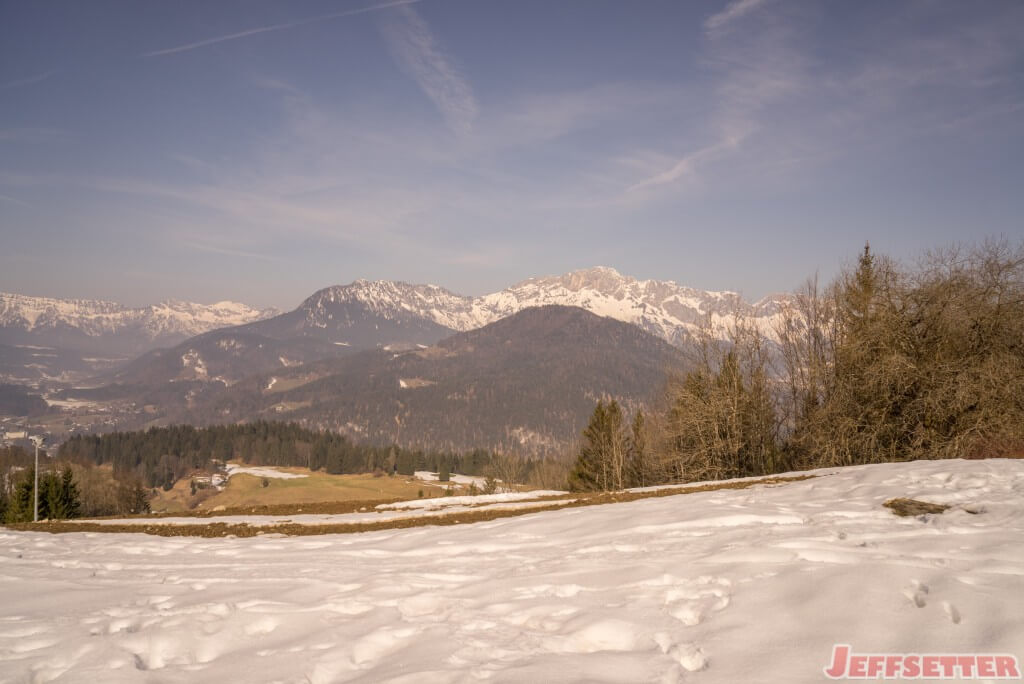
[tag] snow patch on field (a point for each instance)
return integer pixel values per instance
(71, 403)
(261, 471)
(716, 586)
(447, 501)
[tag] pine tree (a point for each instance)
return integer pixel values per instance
(59, 499)
(20, 504)
(859, 292)
(72, 502)
(601, 464)
(639, 466)
(49, 497)
(405, 462)
(588, 473)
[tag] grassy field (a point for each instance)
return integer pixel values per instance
(245, 490)
(173, 501)
(285, 384)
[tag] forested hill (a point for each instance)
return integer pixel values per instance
(160, 456)
(526, 383)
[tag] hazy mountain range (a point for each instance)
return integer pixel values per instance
(82, 323)
(663, 308)
(381, 360)
(44, 339)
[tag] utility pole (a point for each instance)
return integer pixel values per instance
(37, 440)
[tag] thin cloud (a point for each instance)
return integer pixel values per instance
(687, 165)
(419, 54)
(201, 247)
(756, 70)
(276, 27)
(733, 11)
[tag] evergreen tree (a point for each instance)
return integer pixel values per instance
(70, 499)
(639, 467)
(588, 473)
(58, 496)
(405, 462)
(601, 463)
(49, 497)
(859, 291)
(20, 504)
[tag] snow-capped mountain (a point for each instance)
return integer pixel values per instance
(95, 318)
(664, 308)
(44, 339)
(174, 317)
(331, 322)
(661, 307)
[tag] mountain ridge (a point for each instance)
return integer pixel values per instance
(331, 322)
(46, 340)
(663, 307)
(94, 317)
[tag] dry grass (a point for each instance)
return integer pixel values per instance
(318, 492)
(245, 490)
(219, 529)
(912, 507)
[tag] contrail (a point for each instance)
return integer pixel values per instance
(276, 27)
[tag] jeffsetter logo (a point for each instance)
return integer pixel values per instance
(849, 665)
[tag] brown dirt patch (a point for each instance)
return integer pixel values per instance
(912, 507)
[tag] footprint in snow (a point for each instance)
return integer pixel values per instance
(916, 593)
(690, 656)
(691, 603)
(951, 612)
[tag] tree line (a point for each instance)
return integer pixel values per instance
(887, 363)
(160, 456)
(58, 497)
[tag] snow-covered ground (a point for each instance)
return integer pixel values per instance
(478, 500)
(260, 471)
(752, 585)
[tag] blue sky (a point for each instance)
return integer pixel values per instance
(257, 150)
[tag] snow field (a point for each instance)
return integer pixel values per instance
(432, 478)
(751, 585)
(261, 471)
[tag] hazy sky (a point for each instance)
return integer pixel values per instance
(259, 150)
